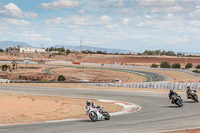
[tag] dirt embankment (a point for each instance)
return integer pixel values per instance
(99, 75)
(134, 60)
(21, 108)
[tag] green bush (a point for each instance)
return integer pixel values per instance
(189, 65)
(154, 65)
(176, 65)
(61, 78)
(164, 65)
(198, 66)
(196, 71)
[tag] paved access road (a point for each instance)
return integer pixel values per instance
(157, 113)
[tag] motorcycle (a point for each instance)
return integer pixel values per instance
(194, 96)
(94, 114)
(177, 100)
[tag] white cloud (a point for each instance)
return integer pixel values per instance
(13, 11)
(156, 3)
(195, 14)
(126, 21)
(57, 20)
(111, 26)
(173, 9)
(148, 16)
(16, 22)
(104, 19)
(31, 35)
(81, 20)
(127, 11)
(60, 4)
(194, 22)
(81, 11)
(113, 3)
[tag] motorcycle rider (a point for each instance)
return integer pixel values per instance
(171, 92)
(93, 105)
(189, 92)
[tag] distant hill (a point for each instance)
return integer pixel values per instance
(108, 50)
(6, 44)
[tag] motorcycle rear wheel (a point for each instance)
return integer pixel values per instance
(107, 116)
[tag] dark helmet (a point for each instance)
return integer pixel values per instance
(88, 102)
(188, 88)
(171, 91)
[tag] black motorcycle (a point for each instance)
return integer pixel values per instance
(194, 96)
(177, 100)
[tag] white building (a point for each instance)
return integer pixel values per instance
(31, 50)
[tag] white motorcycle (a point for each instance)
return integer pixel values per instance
(94, 114)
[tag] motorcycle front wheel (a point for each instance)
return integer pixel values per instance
(93, 116)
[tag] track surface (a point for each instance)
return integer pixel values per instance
(157, 113)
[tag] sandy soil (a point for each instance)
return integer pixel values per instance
(33, 72)
(99, 75)
(136, 60)
(19, 108)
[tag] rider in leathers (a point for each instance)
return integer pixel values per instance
(189, 91)
(173, 93)
(93, 105)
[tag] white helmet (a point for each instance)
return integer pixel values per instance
(88, 102)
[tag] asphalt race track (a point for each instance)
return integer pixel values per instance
(157, 113)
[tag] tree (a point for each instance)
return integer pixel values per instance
(1, 50)
(4, 67)
(164, 65)
(198, 66)
(68, 51)
(154, 65)
(189, 65)
(61, 78)
(176, 65)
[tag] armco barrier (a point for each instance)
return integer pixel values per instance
(152, 85)
(4, 81)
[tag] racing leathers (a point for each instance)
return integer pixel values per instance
(170, 96)
(189, 92)
(93, 105)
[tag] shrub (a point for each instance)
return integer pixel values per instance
(164, 65)
(196, 71)
(198, 66)
(61, 78)
(189, 65)
(154, 65)
(176, 65)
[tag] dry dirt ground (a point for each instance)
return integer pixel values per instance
(99, 75)
(135, 60)
(33, 72)
(37, 72)
(19, 108)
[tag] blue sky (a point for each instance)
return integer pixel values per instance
(134, 25)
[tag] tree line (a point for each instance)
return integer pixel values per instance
(166, 64)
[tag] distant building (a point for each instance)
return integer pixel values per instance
(31, 50)
(13, 49)
(25, 50)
